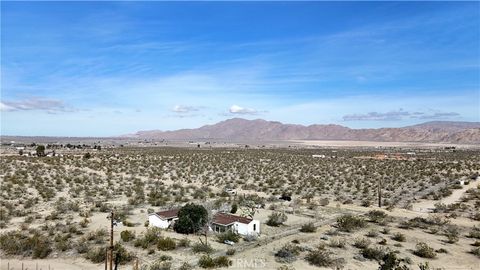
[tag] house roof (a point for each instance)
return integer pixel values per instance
(168, 213)
(227, 219)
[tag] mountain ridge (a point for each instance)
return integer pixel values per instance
(239, 129)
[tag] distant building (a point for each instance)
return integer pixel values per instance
(223, 222)
(231, 191)
(163, 219)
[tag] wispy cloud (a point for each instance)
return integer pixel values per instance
(436, 115)
(181, 109)
(36, 104)
(235, 109)
(399, 115)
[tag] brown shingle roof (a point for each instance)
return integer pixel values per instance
(168, 213)
(226, 219)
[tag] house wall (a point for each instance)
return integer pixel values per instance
(155, 221)
(245, 229)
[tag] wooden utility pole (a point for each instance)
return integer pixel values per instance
(379, 193)
(111, 239)
(106, 258)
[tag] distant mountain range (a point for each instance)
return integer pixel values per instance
(238, 129)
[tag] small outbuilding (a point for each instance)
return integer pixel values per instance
(223, 222)
(163, 219)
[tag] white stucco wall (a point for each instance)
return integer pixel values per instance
(155, 221)
(245, 229)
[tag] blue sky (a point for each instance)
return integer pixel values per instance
(111, 68)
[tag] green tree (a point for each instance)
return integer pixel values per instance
(40, 150)
(191, 219)
(234, 208)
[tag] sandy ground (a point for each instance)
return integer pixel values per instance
(49, 264)
(426, 206)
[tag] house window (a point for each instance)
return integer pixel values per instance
(254, 227)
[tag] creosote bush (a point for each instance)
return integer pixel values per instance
(287, 254)
(127, 235)
(322, 257)
(276, 219)
(350, 223)
(166, 243)
(201, 247)
(308, 228)
(228, 236)
(208, 262)
(424, 251)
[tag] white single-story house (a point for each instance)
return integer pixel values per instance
(223, 222)
(163, 219)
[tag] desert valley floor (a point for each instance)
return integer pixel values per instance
(54, 209)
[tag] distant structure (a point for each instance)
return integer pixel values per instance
(223, 222)
(163, 219)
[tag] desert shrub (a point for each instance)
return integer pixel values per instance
(377, 216)
(97, 236)
(166, 243)
(308, 228)
(426, 266)
(324, 201)
(337, 243)
(287, 254)
(424, 251)
(373, 253)
(122, 253)
(475, 251)
(250, 237)
(185, 242)
(230, 252)
(366, 203)
(209, 262)
(474, 233)
(96, 255)
(82, 246)
(159, 265)
(385, 230)
(165, 258)
(391, 262)
(201, 247)
(424, 223)
(127, 235)
(21, 243)
(441, 250)
(372, 233)
(228, 236)
(349, 223)
(361, 243)
(185, 266)
(399, 237)
(276, 219)
(206, 262)
(452, 232)
(322, 257)
(63, 243)
(285, 267)
(149, 238)
(84, 222)
(222, 261)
